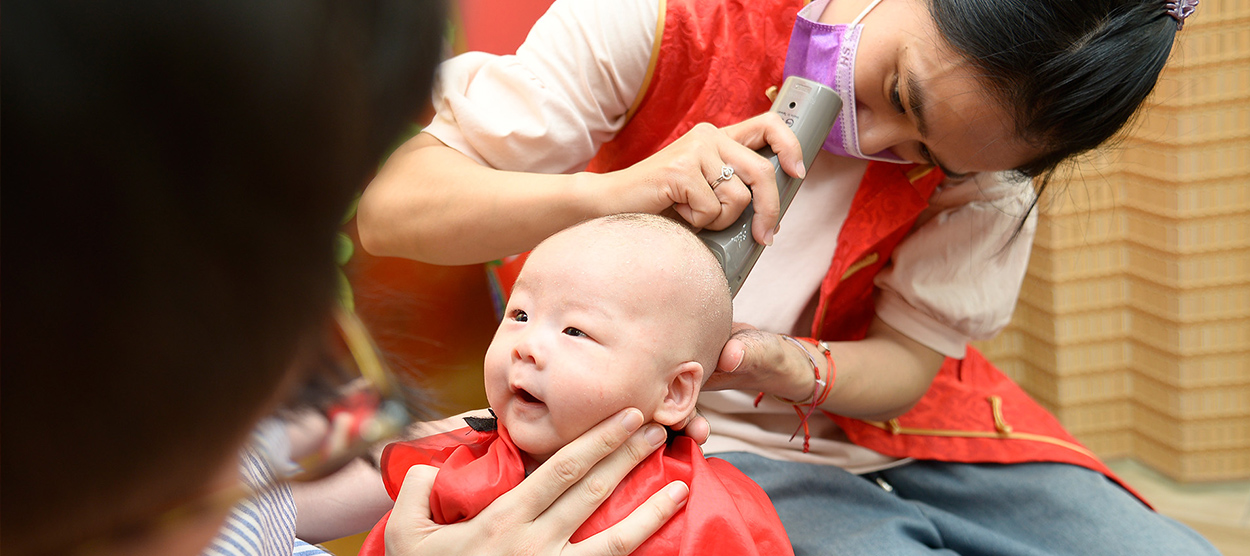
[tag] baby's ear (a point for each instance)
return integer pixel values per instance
(684, 382)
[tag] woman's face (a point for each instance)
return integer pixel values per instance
(916, 97)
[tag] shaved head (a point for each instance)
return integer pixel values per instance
(662, 260)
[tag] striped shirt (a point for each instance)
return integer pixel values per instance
(264, 523)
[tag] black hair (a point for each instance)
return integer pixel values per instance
(1074, 72)
(175, 173)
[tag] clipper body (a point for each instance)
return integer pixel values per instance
(809, 108)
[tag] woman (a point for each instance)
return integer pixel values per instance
(926, 255)
(175, 176)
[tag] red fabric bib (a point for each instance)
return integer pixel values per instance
(726, 513)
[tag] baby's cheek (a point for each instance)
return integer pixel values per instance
(609, 400)
(496, 378)
(586, 407)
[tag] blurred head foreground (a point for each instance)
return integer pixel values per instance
(622, 311)
(175, 175)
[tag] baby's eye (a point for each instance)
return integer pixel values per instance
(519, 316)
(896, 98)
(575, 332)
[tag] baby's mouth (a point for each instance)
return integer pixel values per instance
(527, 397)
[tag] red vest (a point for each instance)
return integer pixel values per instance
(716, 59)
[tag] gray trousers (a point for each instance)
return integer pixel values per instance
(926, 507)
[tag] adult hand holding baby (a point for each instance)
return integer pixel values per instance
(755, 360)
(541, 514)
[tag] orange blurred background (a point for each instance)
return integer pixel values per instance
(435, 322)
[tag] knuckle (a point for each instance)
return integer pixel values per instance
(616, 545)
(661, 514)
(566, 471)
(685, 159)
(596, 490)
(605, 444)
(637, 449)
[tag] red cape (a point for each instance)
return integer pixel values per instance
(726, 513)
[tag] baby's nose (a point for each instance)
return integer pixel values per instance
(528, 350)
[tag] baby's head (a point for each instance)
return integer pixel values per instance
(622, 311)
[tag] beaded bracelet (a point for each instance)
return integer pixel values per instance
(833, 370)
(817, 385)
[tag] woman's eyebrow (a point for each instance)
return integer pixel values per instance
(916, 99)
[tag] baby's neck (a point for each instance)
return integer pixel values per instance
(531, 463)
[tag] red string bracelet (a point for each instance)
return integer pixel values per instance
(815, 372)
(820, 389)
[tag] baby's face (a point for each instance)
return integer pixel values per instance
(585, 334)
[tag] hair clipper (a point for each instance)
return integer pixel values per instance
(809, 108)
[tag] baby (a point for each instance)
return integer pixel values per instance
(622, 311)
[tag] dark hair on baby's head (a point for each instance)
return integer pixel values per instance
(1074, 71)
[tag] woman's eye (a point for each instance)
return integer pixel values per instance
(575, 332)
(520, 316)
(896, 98)
(925, 154)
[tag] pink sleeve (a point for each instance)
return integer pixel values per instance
(956, 278)
(564, 93)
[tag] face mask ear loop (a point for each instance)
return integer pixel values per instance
(865, 12)
(851, 115)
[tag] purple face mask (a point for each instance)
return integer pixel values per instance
(826, 54)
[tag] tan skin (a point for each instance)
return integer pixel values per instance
(914, 96)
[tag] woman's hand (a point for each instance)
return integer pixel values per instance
(755, 360)
(541, 514)
(680, 175)
(878, 378)
(432, 203)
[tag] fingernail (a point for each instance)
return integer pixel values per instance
(631, 420)
(802, 170)
(678, 492)
(656, 435)
(777, 228)
(740, 360)
(768, 238)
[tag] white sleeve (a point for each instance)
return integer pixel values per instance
(956, 278)
(564, 93)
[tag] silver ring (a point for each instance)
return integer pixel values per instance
(726, 172)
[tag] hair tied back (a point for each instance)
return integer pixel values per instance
(1181, 9)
